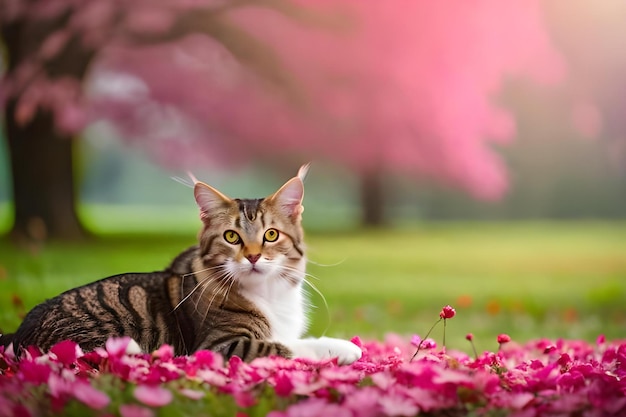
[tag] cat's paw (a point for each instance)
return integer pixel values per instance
(345, 351)
(325, 348)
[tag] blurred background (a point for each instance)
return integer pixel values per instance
(472, 155)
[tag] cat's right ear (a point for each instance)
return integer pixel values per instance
(209, 199)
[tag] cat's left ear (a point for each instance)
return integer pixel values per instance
(288, 199)
(304, 169)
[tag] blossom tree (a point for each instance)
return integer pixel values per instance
(52, 53)
(375, 86)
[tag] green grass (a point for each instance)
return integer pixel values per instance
(529, 280)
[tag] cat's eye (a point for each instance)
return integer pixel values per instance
(271, 235)
(232, 237)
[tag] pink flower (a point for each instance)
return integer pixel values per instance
(443, 376)
(283, 385)
(119, 346)
(165, 353)
(153, 395)
(317, 407)
(192, 393)
(357, 341)
(66, 352)
(429, 344)
(575, 376)
(134, 410)
(90, 396)
(35, 373)
(397, 405)
(244, 399)
(364, 402)
(518, 401)
(549, 349)
(469, 337)
(447, 312)
(564, 360)
(208, 359)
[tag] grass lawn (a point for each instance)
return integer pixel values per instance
(527, 279)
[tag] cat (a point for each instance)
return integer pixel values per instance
(239, 291)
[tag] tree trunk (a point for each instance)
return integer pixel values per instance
(41, 158)
(372, 199)
(42, 179)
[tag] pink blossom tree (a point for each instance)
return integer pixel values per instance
(376, 86)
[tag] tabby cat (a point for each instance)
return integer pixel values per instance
(238, 292)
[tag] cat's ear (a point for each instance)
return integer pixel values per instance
(209, 199)
(288, 199)
(304, 169)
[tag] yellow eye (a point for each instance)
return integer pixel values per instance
(232, 237)
(271, 235)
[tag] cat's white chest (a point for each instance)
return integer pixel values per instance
(287, 320)
(283, 308)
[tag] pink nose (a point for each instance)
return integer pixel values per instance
(253, 258)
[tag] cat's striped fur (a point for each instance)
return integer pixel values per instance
(238, 292)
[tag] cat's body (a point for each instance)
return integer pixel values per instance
(239, 292)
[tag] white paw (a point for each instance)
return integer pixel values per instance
(325, 348)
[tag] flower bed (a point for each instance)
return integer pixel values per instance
(542, 377)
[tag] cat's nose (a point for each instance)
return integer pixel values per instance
(253, 258)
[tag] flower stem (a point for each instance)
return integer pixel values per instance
(419, 346)
(444, 335)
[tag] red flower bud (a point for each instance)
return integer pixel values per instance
(447, 312)
(504, 338)
(469, 337)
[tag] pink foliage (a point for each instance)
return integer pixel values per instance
(570, 378)
(410, 87)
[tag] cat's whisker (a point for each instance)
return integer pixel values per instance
(223, 286)
(328, 318)
(182, 283)
(207, 286)
(198, 301)
(326, 265)
(295, 273)
(188, 182)
(232, 280)
(210, 268)
(185, 298)
(311, 276)
(226, 283)
(202, 284)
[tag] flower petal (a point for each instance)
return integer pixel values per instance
(153, 395)
(134, 410)
(90, 396)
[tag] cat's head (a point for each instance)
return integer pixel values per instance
(253, 239)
